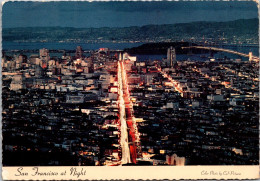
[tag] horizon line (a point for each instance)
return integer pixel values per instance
(126, 26)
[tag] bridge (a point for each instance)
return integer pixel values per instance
(250, 55)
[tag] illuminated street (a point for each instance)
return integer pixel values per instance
(130, 84)
(122, 117)
(129, 133)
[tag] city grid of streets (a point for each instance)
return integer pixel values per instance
(187, 110)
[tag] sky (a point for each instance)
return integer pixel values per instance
(122, 14)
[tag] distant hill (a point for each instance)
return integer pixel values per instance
(242, 29)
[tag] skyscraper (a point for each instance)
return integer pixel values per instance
(79, 52)
(171, 56)
(44, 54)
(45, 57)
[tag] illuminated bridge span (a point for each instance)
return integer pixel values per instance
(250, 55)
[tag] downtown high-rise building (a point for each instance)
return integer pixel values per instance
(79, 52)
(44, 57)
(171, 56)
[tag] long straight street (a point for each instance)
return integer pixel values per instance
(122, 116)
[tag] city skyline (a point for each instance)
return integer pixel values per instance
(94, 84)
(121, 14)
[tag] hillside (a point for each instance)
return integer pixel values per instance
(239, 29)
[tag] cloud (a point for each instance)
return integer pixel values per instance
(100, 14)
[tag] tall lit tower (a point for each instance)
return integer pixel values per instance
(171, 56)
(44, 54)
(79, 52)
(120, 58)
(45, 57)
(250, 56)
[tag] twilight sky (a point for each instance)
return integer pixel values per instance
(121, 14)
